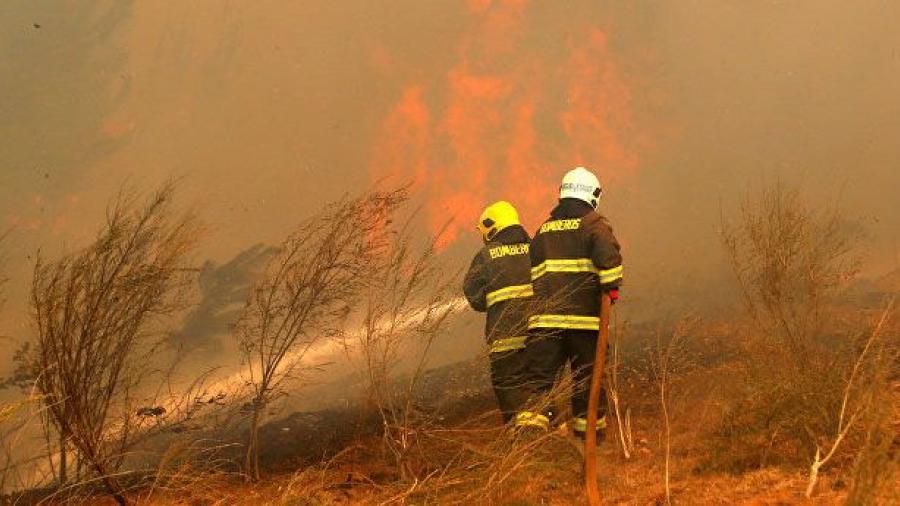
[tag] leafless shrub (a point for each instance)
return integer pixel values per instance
(802, 358)
(405, 309)
(309, 288)
(623, 422)
(875, 475)
(93, 312)
(788, 260)
(853, 403)
(670, 362)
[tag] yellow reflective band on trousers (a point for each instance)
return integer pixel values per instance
(508, 344)
(560, 321)
(576, 265)
(510, 292)
(580, 424)
(529, 419)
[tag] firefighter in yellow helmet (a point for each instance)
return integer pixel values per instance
(499, 282)
(574, 259)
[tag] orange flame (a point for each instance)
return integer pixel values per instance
(598, 100)
(494, 128)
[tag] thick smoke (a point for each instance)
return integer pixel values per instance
(270, 109)
(223, 292)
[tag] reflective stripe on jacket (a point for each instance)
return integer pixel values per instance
(499, 282)
(574, 257)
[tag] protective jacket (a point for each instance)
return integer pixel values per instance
(499, 282)
(574, 257)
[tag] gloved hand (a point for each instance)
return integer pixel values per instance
(613, 296)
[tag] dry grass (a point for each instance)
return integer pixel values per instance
(543, 471)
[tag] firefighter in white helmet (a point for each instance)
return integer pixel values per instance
(574, 259)
(499, 283)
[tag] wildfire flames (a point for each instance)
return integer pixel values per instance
(506, 121)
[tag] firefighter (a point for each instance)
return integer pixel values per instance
(499, 282)
(574, 259)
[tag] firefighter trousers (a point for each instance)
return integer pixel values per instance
(549, 351)
(508, 377)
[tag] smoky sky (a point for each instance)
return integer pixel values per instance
(267, 110)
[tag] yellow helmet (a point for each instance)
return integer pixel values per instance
(495, 218)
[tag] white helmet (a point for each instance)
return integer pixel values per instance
(580, 183)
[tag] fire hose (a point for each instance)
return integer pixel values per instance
(590, 437)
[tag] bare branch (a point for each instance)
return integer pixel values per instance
(309, 288)
(93, 311)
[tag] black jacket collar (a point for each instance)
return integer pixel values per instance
(513, 234)
(571, 208)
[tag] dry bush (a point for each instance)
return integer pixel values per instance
(93, 312)
(670, 362)
(875, 476)
(862, 393)
(789, 260)
(615, 393)
(874, 394)
(798, 357)
(404, 310)
(308, 289)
